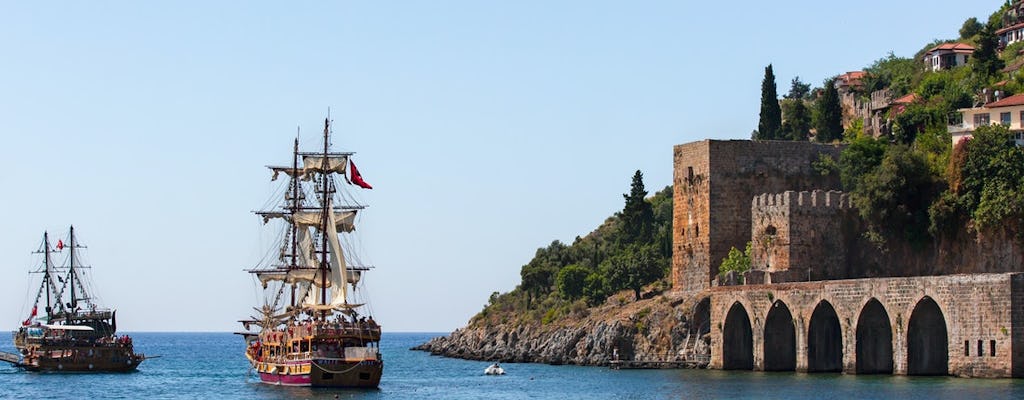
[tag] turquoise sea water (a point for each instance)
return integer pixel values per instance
(211, 366)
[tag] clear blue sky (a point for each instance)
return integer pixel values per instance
(488, 129)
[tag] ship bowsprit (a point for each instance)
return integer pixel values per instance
(10, 358)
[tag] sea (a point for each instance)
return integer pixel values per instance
(212, 366)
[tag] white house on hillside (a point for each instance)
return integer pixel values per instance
(947, 55)
(1011, 34)
(1008, 111)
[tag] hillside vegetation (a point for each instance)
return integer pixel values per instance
(628, 252)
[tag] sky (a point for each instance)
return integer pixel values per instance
(487, 129)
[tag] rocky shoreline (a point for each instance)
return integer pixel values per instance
(649, 329)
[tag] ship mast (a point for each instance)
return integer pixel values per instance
(326, 206)
(295, 209)
(71, 271)
(46, 275)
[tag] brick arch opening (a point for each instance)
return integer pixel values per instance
(737, 340)
(874, 340)
(824, 340)
(779, 339)
(927, 341)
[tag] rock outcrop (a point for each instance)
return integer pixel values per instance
(655, 328)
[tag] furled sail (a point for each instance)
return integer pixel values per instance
(287, 276)
(344, 221)
(292, 172)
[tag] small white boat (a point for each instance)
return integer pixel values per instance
(494, 369)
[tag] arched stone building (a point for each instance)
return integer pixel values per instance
(817, 298)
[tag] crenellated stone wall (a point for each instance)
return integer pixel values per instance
(799, 236)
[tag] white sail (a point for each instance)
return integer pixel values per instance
(338, 267)
(335, 163)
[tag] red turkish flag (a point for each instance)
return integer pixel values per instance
(357, 178)
(60, 245)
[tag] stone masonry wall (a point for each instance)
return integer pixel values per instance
(981, 311)
(797, 236)
(714, 182)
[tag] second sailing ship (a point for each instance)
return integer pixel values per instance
(73, 333)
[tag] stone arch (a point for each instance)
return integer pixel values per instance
(701, 318)
(824, 340)
(779, 339)
(927, 340)
(737, 340)
(874, 340)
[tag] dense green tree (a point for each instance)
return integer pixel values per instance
(637, 214)
(991, 178)
(798, 89)
(572, 281)
(538, 276)
(635, 266)
(970, 28)
(797, 125)
(860, 157)
(828, 116)
(596, 287)
(771, 114)
(896, 73)
(985, 60)
(894, 197)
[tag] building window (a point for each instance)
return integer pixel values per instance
(981, 350)
(981, 119)
(1022, 119)
(967, 348)
(1004, 118)
(992, 348)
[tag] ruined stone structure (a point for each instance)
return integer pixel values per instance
(817, 299)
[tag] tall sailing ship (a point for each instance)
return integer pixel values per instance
(313, 327)
(73, 333)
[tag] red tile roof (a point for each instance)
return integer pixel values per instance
(1015, 100)
(1010, 28)
(1014, 66)
(910, 98)
(852, 78)
(954, 47)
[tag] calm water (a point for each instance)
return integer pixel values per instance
(211, 365)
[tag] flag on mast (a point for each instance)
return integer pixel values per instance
(357, 178)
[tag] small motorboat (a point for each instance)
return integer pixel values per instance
(494, 369)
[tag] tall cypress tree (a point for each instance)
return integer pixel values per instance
(771, 114)
(986, 58)
(637, 215)
(829, 114)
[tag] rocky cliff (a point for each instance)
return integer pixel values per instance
(651, 329)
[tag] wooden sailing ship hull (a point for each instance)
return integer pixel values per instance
(81, 360)
(323, 373)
